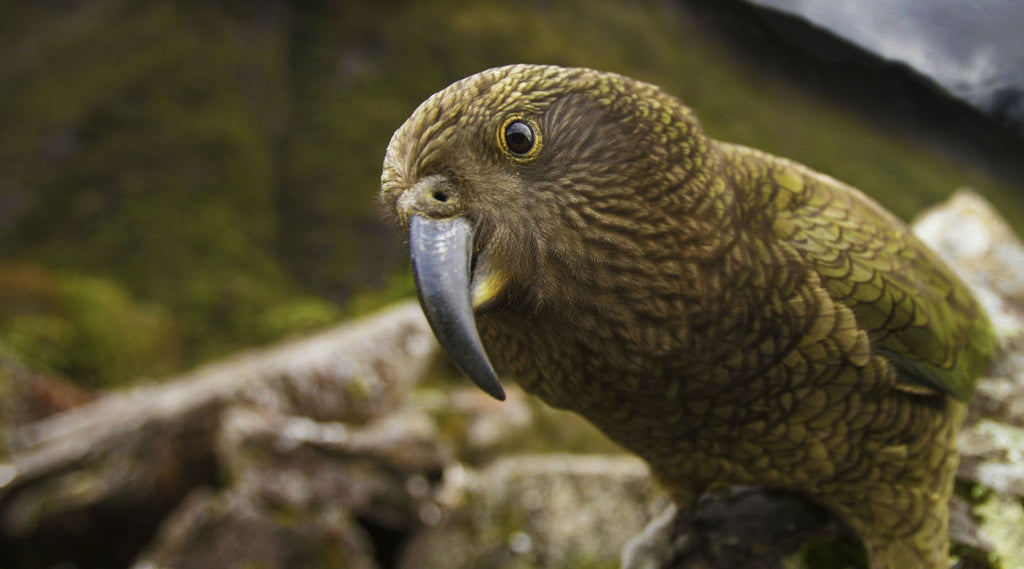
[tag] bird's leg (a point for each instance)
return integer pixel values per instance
(660, 541)
(656, 544)
(900, 526)
(903, 518)
(740, 527)
(926, 548)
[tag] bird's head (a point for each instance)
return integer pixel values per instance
(520, 186)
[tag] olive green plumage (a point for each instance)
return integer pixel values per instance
(728, 315)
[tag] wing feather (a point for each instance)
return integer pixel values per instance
(915, 310)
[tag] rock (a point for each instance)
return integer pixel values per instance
(384, 472)
(233, 530)
(540, 511)
(988, 255)
(983, 249)
(118, 465)
(306, 494)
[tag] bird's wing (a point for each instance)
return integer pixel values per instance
(914, 309)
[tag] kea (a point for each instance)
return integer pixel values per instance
(730, 316)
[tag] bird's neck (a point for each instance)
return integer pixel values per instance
(643, 314)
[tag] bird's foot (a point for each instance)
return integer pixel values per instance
(742, 528)
(658, 543)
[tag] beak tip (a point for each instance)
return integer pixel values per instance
(478, 368)
(495, 391)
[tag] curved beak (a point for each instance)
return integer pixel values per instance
(441, 255)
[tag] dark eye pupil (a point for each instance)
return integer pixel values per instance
(519, 137)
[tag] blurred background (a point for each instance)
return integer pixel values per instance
(181, 180)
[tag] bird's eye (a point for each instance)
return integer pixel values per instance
(519, 138)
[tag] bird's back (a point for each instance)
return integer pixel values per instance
(914, 308)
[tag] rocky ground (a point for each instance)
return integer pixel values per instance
(333, 451)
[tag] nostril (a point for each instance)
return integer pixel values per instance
(441, 196)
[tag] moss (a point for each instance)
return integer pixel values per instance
(1002, 524)
(398, 286)
(974, 492)
(297, 315)
(39, 339)
(969, 558)
(84, 327)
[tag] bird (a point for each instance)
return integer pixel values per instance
(730, 316)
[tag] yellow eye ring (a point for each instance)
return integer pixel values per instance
(520, 138)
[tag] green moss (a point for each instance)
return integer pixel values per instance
(398, 286)
(1002, 524)
(974, 492)
(42, 340)
(91, 329)
(114, 337)
(297, 315)
(969, 558)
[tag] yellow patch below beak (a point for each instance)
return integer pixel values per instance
(487, 285)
